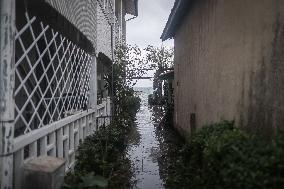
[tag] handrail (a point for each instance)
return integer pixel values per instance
(24, 140)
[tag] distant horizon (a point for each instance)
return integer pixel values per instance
(155, 15)
(142, 87)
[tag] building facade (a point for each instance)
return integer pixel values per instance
(54, 54)
(228, 63)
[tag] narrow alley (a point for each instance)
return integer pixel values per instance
(144, 150)
(132, 94)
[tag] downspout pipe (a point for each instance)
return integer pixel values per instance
(112, 74)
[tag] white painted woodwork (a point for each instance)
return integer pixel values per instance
(64, 112)
(71, 118)
(71, 67)
(7, 82)
(64, 136)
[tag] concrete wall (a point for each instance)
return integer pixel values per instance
(229, 64)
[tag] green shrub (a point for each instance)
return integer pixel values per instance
(221, 156)
(100, 150)
(100, 159)
(132, 104)
(102, 155)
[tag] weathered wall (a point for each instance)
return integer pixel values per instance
(229, 64)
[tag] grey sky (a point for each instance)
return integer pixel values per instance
(147, 28)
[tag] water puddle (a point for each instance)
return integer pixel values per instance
(144, 149)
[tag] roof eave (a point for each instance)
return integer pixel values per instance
(166, 32)
(177, 14)
(134, 8)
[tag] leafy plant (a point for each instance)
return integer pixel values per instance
(222, 156)
(88, 181)
(104, 151)
(160, 59)
(128, 65)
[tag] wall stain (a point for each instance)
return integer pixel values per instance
(277, 75)
(266, 94)
(258, 109)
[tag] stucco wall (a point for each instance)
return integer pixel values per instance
(103, 33)
(229, 64)
(81, 13)
(92, 17)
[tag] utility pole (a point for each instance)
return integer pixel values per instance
(7, 82)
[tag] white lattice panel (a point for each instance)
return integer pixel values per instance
(52, 77)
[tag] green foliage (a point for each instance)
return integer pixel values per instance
(103, 153)
(100, 150)
(100, 159)
(160, 59)
(128, 65)
(88, 181)
(221, 156)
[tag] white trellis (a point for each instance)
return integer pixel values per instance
(52, 77)
(52, 84)
(48, 81)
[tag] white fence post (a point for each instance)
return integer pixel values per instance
(7, 82)
(108, 109)
(105, 107)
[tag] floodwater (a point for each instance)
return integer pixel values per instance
(144, 149)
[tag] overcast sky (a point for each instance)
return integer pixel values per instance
(147, 28)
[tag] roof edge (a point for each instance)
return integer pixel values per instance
(177, 14)
(134, 11)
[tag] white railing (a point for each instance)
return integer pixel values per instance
(104, 113)
(59, 139)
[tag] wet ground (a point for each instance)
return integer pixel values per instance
(144, 149)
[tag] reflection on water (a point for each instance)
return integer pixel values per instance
(145, 151)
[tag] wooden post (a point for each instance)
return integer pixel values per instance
(7, 82)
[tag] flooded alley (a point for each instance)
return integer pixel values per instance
(144, 150)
